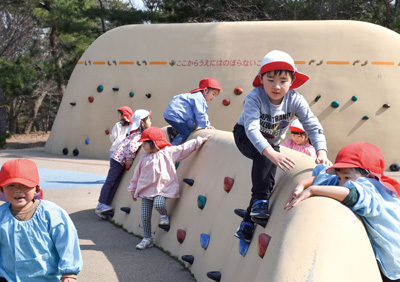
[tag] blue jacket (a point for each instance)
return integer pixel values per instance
(189, 108)
(40, 249)
(379, 209)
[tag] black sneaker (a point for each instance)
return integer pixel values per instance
(245, 231)
(260, 209)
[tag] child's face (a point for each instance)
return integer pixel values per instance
(119, 115)
(299, 139)
(147, 147)
(210, 94)
(147, 123)
(276, 86)
(18, 195)
(345, 174)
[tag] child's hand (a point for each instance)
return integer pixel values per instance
(322, 158)
(296, 192)
(303, 195)
(128, 164)
(133, 196)
(205, 139)
(280, 160)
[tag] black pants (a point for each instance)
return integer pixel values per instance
(2, 279)
(262, 172)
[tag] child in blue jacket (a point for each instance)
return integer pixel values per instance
(186, 112)
(357, 181)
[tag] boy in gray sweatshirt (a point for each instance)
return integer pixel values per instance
(268, 110)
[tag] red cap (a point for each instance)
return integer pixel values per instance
(126, 113)
(21, 171)
(296, 126)
(367, 156)
(157, 135)
(207, 82)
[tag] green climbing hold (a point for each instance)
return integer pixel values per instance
(335, 104)
(365, 117)
(100, 88)
(201, 201)
(354, 98)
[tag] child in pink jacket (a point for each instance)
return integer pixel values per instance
(155, 177)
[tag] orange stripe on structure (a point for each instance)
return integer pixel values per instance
(99, 63)
(80, 63)
(299, 62)
(383, 63)
(158, 63)
(337, 63)
(126, 63)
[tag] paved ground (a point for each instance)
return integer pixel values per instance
(109, 252)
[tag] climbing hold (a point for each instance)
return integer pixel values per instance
(228, 183)
(226, 102)
(108, 213)
(188, 181)
(148, 95)
(164, 227)
(107, 131)
(263, 241)
(204, 240)
(335, 104)
(87, 141)
(238, 91)
(240, 212)
(131, 94)
(180, 235)
(75, 152)
(386, 105)
(214, 275)
(72, 104)
(126, 209)
(394, 167)
(91, 99)
(176, 165)
(317, 98)
(100, 88)
(354, 98)
(188, 258)
(65, 151)
(201, 201)
(115, 89)
(243, 247)
(365, 117)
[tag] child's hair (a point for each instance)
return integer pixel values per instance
(123, 121)
(141, 127)
(360, 170)
(279, 72)
(151, 143)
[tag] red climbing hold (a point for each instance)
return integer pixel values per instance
(226, 102)
(228, 183)
(91, 99)
(238, 91)
(180, 235)
(107, 131)
(263, 241)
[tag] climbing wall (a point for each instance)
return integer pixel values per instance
(354, 69)
(320, 240)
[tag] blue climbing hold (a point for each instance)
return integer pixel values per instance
(243, 247)
(87, 141)
(204, 240)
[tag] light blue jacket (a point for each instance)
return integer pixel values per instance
(379, 209)
(40, 249)
(189, 108)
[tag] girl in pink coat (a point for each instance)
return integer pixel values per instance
(155, 177)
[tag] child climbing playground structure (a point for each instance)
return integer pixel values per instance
(353, 90)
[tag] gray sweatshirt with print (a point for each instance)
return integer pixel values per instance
(267, 124)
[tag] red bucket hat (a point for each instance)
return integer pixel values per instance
(126, 113)
(157, 135)
(278, 60)
(367, 156)
(21, 171)
(207, 82)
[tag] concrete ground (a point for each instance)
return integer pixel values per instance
(109, 252)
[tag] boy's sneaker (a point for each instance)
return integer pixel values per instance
(145, 243)
(245, 231)
(164, 220)
(102, 208)
(260, 209)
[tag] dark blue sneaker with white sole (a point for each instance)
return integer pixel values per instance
(245, 231)
(260, 209)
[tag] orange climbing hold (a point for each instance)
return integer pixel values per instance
(228, 183)
(263, 242)
(226, 102)
(238, 91)
(91, 99)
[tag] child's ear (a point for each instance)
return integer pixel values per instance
(260, 78)
(294, 78)
(37, 189)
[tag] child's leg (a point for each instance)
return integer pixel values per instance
(159, 205)
(112, 182)
(183, 130)
(147, 208)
